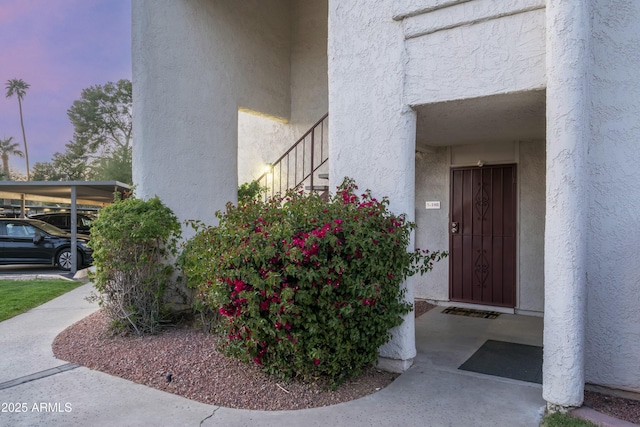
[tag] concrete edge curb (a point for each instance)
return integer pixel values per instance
(599, 418)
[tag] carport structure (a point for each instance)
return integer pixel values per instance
(95, 193)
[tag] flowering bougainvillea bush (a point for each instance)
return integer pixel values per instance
(306, 286)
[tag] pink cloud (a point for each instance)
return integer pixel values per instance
(11, 11)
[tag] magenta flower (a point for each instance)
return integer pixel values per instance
(239, 285)
(225, 312)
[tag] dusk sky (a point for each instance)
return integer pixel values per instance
(58, 47)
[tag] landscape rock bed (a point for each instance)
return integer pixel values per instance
(198, 371)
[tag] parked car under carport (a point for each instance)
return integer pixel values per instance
(62, 220)
(94, 193)
(30, 241)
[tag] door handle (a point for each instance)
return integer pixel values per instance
(454, 227)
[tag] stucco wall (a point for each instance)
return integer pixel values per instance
(404, 8)
(531, 214)
(194, 63)
(372, 132)
(613, 317)
(262, 140)
(432, 232)
(497, 54)
(309, 81)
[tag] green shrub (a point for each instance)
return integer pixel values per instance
(249, 191)
(194, 261)
(306, 286)
(131, 239)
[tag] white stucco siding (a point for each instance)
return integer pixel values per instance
(404, 8)
(531, 216)
(568, 122)
(372, 132)
(613, 318)
(462, 10)
(491, 57)
(309, 81)
(370, 127)
(432, 232)
(261, 139)
(254, 37)
(184, 118)
(195, 62)
(465, 13)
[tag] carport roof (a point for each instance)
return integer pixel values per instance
(87, 192)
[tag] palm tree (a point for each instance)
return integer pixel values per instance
(7, 148)
(18, 87)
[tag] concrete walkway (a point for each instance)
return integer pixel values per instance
(433, 392)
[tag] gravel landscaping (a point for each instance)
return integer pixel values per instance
(617, 407)
(198, 372)
(183, 360)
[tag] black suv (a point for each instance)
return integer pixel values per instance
(62, 220)
(29, 241)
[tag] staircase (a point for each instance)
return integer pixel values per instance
(303, 165)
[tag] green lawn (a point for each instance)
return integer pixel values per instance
(18, 296)
(564, 420)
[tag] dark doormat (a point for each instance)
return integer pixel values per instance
(507, 360)
(471, 312)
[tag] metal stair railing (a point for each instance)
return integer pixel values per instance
(298, 166)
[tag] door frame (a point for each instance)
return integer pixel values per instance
(514, 216)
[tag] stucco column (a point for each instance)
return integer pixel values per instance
(184, 114)
(398, 354)
(386, 165)
(568, 59)
(372, 132)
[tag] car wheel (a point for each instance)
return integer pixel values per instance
(64, 259)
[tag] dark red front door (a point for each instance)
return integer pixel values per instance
(482, 235)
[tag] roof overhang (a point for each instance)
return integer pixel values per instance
(99, 193)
